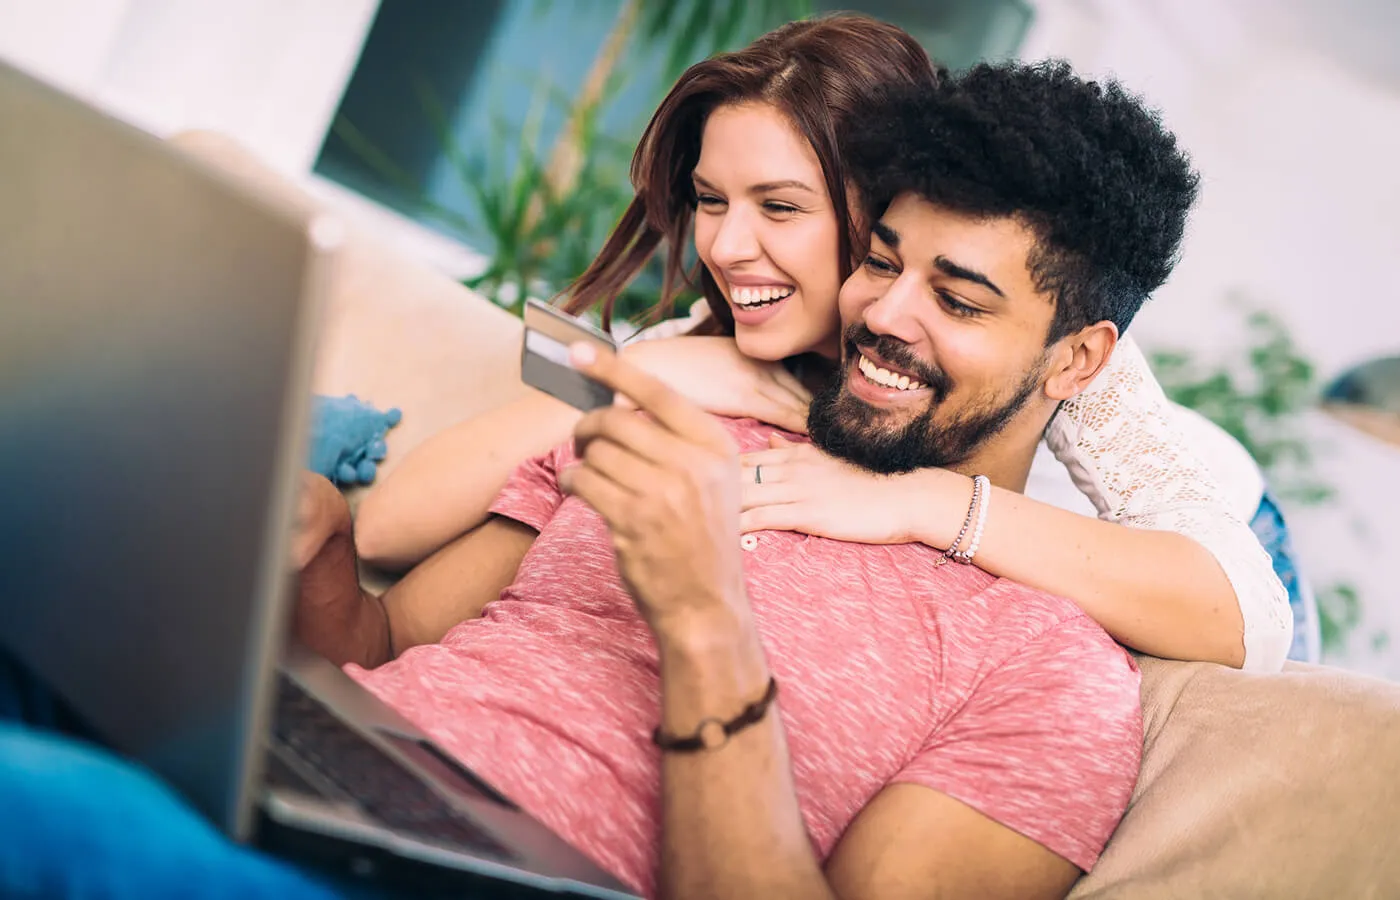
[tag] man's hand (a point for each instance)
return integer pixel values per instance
(667, 484)
(321, 513)
(333, 615)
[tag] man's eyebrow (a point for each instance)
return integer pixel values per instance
(763, 188)
(886, 234)
(953, 270)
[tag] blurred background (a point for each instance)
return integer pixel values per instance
(490, 138)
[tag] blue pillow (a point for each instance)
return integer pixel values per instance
(347, 438)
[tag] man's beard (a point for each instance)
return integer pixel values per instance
(847, 427)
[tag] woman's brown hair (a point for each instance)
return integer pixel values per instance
(818, 72)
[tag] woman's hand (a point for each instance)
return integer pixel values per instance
(711, 373)
(797, 487)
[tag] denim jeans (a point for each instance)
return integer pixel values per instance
(1272, 531)
(78, 822)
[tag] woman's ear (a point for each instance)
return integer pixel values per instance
(1077, 359)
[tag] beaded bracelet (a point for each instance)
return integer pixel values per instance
(982, 491)
(952, 551)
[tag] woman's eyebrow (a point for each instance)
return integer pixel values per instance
(770, 186)
(763, 188)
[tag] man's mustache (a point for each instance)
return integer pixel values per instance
(898, 353)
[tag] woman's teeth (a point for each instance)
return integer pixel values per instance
(752, 297)
(886, 378)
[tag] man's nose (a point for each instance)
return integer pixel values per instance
(736, 241)
(894, 312)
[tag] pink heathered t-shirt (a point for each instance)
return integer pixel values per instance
(891, 669)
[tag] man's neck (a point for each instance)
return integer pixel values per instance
(1006, 458)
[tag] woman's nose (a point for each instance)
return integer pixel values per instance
(736, 241)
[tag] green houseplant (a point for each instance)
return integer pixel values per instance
(543, 210)
(1260, 398)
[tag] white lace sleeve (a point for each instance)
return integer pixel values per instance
(1123, 446)
(669, 328)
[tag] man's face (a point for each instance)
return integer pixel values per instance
(944, 341)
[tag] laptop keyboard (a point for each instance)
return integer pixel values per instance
(380, 784)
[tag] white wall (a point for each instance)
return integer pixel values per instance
(269, 72)
(1301, 165)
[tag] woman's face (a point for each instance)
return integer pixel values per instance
(766, 230)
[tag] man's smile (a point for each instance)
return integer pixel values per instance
(881, 386)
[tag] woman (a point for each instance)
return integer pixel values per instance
(746, 150)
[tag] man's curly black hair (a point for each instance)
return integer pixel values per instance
(1085, 166)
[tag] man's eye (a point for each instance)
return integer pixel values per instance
(958, 308)
(879, 266)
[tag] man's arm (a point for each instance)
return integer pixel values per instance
(732, 826)
(456, 582)
(343, 622)
(1012, 796)
(911, 841)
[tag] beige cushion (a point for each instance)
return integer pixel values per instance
(395, 333)
(1268, 786)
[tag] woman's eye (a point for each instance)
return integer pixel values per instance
(958, 308)
(780, 209)
(708, 200)
(879, 266)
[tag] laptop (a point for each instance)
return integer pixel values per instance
(156, 325)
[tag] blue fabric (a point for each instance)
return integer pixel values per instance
(347, 438)
(1272, 531)
(77, 822)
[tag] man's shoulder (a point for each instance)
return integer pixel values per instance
(1021, 616)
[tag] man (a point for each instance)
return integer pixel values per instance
(936, 731)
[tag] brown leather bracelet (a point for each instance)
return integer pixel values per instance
(715, 733)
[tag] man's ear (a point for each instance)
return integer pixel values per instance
(1077, 359)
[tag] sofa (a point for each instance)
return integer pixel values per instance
(1268, 786)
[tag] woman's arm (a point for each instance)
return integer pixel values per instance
(1156, 591)
(1159, 592)
(445, 486)
(1123, 444)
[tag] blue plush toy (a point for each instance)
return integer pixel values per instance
(347, 438)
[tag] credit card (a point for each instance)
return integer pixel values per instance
(544, 356)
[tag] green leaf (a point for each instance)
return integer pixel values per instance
(1339, 612)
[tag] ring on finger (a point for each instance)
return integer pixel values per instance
(758, 474)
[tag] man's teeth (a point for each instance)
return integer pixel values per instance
(886, 378)
(758, 296)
